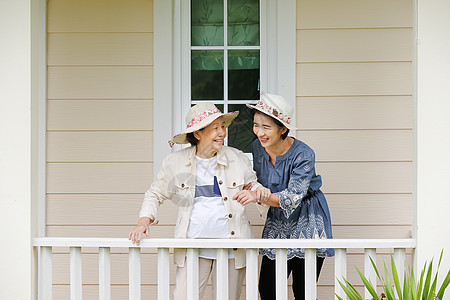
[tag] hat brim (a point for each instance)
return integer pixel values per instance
(288, 126)
(227, 118)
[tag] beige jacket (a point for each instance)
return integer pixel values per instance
(176, 181)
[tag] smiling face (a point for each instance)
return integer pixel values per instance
(267, 131)
(211, 138)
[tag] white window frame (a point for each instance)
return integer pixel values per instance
(172, 63)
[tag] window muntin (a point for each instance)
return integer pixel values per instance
(225, 60)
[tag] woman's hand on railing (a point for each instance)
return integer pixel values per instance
(143, 227)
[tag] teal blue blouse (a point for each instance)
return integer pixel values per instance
(303, 211)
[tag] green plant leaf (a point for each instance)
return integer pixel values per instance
(368, 284)
(388, 288)
(426, 286)
(396, 279)
(444, 286)
(375, 268)
(420, 285)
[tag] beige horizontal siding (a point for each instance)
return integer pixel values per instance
(100, 115)
(100, 146)
(98, 178)
(352, 45)
(372, 112)
(98, 82)
(122, 209)
(100, 49)
(360, 145)
(100, 16)
(319, 14)
(344, 79)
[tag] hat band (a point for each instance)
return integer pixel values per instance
(273, 111)
(203, 116)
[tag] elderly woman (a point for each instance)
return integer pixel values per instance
(202, 181)
(298, 208)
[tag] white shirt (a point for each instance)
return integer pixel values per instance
(209, 218)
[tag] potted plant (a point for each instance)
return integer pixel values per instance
(426, 288)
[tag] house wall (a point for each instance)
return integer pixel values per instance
(99, 127)
(354, 108)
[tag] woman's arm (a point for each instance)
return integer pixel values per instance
(298, 185)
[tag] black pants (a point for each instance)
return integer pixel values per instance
(267, 284)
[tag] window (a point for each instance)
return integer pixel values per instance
(225, 55)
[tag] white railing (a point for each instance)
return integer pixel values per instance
(45, 246)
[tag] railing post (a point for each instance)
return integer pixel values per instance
(399, 260)
(222, 274)
(340, 271)
(310, 274)
(192, 273)
(281, 274)
(251, 280)
(46, 273)
(134, 269)
(163, 273)
(369, 272)
(75, 274)
(104, 273)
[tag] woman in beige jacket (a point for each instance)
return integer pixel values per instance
(202, 181)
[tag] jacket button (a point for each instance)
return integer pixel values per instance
(230, 216)
(232, 233)
(225, 198)
(182, 185)
(234, 183)
(220, 181)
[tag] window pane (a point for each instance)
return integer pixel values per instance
(207, 23)
(243, 22)
(207, 75)
(240, 132)
(243, 74)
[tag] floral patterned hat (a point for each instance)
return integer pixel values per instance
(277, 107)
(200, 116)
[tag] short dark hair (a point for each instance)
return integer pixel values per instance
(192, 139)
(277, 122)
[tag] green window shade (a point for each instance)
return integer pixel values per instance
(243, 74)
(243, 23)
(207, 22)
(207, 75)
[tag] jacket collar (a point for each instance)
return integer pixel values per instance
(221, 156)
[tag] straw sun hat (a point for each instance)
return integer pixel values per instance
(277, 107)
(199, 116)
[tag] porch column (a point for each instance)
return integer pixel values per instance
(18, 214)
(433, 131)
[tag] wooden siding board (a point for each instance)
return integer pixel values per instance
(360, 145)
(104, 146)
(100, 16)
(366, 177)
(100, 115)
(99, 177)
(354, 14)
(371, 112)
(123, 209)
(100, 49)
(341, 79)
(100, 82)
(353, 45)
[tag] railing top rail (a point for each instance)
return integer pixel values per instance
(226, 243)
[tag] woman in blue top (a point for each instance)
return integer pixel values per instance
(298, 208)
